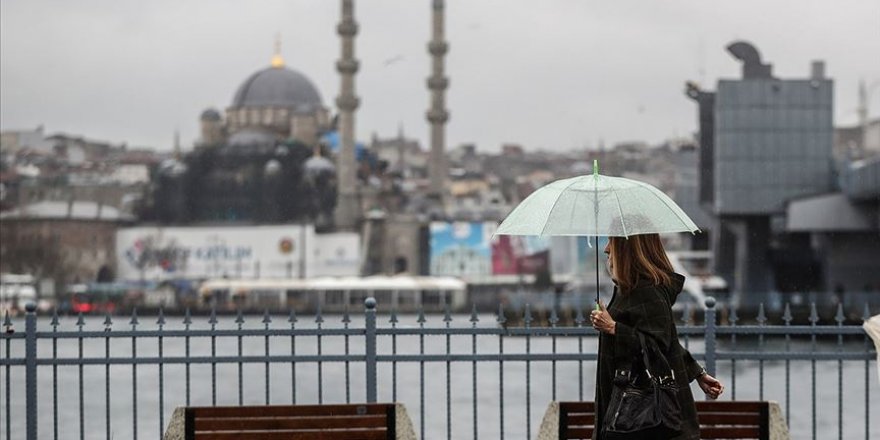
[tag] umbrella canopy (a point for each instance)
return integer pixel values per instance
(596, 205)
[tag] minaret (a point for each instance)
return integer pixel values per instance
(437, 115)
(347, 204)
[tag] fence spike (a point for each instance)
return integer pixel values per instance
(7, 322)
(786, 316)
(187, 319)
(866, 314)
(474, 319)
(393, 318)
(447, 316)
(686, 314)
(528, 315)
(345, 316)
(319, 318)
(291, 317)
(108, 320)
(502, 317)
(55, 322)
(267, 319)
(239, 317)
(161, 319)
(733, 318)
(579, 315)
(213, 318)
(839, 317)
(80, 321)
(762, 319)
(421, 319)
(134, 317)
(814, 315)
(554, 318)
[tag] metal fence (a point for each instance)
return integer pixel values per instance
(364, 350)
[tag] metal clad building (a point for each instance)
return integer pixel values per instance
(773, 141)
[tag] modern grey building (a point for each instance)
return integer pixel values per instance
(765, 149)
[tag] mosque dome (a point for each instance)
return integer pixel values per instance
(278, 86)
(210, 114)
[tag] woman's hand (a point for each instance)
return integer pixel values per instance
(601, 320)
(711, 386)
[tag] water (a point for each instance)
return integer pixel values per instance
(305, 387)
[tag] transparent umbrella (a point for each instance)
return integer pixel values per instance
(596, 205)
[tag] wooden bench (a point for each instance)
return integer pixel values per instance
(718, 420)
(291, 422)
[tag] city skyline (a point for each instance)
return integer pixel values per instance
(123, 74)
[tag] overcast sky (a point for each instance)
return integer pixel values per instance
(550, 74)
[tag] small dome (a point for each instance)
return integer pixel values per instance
(210, 114)
(278, 87)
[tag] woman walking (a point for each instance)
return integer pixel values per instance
(645, 287)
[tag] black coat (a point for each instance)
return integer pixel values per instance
(648, 309)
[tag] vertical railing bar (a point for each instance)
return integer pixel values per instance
(239, 321)
(787, 318)
(709, 325)
(266, 321)
(474, 320)
(30, 349)
(814, 318)
(370, 348)
(865, 316)
(447, 318)
(9, 330)
(839, 318)
(421, 321)
(733, 319)
(762, 320)
(393, 321)
(55, 323)
(82, 427)
(108, 322)
(161, 323)
(134, 323)
(501, 320)
(554, 318)
(345, 322)
(292, 320)
(186, 323)
(686, 320)
(213, 322)
(528, 321)
(579, 322)
(320, 366)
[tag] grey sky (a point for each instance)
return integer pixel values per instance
(551, 73)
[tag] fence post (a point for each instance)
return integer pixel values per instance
(710, 335)
(30, 355)
(370, 348)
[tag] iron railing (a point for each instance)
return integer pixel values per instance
(52, 357)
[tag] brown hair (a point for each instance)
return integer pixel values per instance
(639, 257)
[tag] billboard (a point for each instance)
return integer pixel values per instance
(519, 254)
(461, 248)
(279, 251)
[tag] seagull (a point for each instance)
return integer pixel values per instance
(393, 60)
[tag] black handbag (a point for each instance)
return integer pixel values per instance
(643, 406)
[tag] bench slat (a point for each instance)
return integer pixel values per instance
(751, 419)
(268, 423)
(586, 407)
(730, 433)
(579, 433)
(294, 435)
(707, 406)
(287, 410)
(581, 419)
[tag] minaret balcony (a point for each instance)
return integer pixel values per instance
(438, 48)
(347, 28)
(437, 116)
(347, 102)
(438, 82)
(347, 67)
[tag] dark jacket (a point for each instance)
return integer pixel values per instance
(648, 309)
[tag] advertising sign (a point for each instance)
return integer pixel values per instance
(517, 254)
(461, 248)
(161, 253)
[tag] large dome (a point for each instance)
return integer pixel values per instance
(278, 87)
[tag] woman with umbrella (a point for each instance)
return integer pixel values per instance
(645, 287)
(639, 315)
